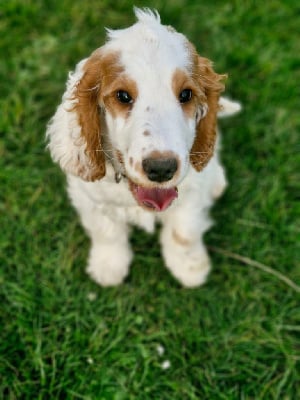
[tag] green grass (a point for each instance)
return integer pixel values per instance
(237, 337)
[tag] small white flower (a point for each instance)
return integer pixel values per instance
(160, 349)
(90, 360)
(91, 296)
(166, 364)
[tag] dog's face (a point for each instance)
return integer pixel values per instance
(147, 103)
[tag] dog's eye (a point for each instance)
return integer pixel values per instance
(124, 97)
(185, 96)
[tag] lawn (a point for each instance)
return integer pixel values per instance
(238, 336)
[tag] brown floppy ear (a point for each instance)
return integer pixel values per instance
(211, 84)
(86, 97)
(75, 137)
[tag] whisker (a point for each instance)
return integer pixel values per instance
(104, 150)
(105, 153)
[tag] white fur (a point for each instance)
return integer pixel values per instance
(228, 107)
(151, 53)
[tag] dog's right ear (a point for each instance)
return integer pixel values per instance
(74, 133)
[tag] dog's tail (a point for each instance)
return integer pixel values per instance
(228, 107)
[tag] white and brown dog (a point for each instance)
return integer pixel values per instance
(136, 135)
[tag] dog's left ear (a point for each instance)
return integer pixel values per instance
(211, 84)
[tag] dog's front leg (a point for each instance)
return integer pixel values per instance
(110, 255)
(182, 246)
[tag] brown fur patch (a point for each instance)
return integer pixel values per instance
(181, 81)
(158, 154)
(86, 107)
(119, 157)
(103, 77)
(109, 94)
(210, 83)
(146, 133)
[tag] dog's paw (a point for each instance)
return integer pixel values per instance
(188, 263)
(191, 271)
(192, 274)
(109, 266)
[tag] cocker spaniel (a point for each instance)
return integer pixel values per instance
(136, 135)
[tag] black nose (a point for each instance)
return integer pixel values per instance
(160, 169)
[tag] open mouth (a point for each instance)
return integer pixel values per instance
(155, 199)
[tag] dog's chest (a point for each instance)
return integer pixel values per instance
(111, 199)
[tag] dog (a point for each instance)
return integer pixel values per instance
(136, 135)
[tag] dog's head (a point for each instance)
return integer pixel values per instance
(145, 102)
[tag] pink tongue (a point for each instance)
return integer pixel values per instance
(158, 199)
